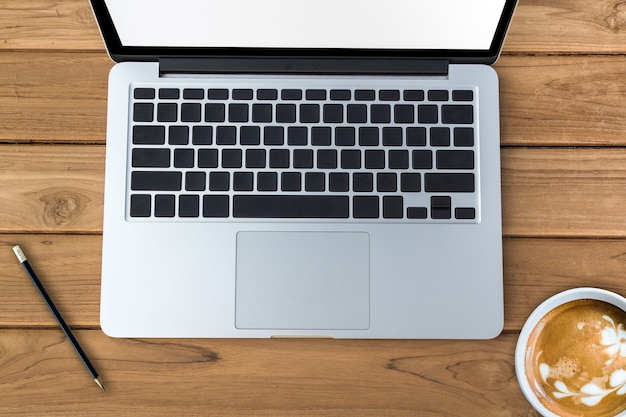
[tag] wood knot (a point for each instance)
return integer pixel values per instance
(616, 21)
(63, 208)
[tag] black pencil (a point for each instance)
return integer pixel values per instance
(57, 315)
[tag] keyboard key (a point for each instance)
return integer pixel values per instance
(273, 135)
(413, 95)
(148, 135)
(140, 205)
(357, 113)
(219, 181)
(155, 181)
(266, 94)
(374, 159)
(464, 136)
(365, 95)
(169, 93)
(314, 181)
(290, 181)
(255, 158)
(250, 135)
(404, 113)
(215, 206)
(439, 136)
(440, 207)
(422, 159)
(143, 112)
(164, 205)
(380, 113)
(285, 113)
(183, 158)
(368, 136)
(344, 136)
(392, 136)
(243, 181)
(350, 159)
(393, 207)
(195, 181)
(238, 112)
(267, 181)
(365, 207)
(463, 95)
(449, 182)
(386, 182)
(416, 213)
(362, 182)
(465, 213)
(143, 93)
(242, 94)
(226, 135)
(291, 94)
(297, 136)
(416, 136)
(214, 112)
(178, 135)
(309, 113)
(317, 95)
(218, 94)
(438, 95)
(188, 206)
(191, 112)
(338, 182)
(398, 159)
(279, 158)
(290, 206)
(167, 112)
(333, 113)
(303, 158)
(427, 114)
(410, 182)
(327, 159)
(389, 95)
(202, 135)
(455, 159)
(340, 95)
(320, 136)
(151, 158)
(457, 114)
(207, 158)
(231, 158)
(193, 94)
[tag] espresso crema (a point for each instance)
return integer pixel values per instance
(576, 359)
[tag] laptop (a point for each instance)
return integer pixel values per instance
(302, 169)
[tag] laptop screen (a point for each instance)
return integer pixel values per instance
(400, 26)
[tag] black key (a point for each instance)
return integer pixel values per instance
(207, 158)
(191, 112)
(291, 94)
(140, 205)
(398, 159)
(314, 181)
(368, 136)
(320, 136)
(455, 159)
(338, 182)
(439, 136)
(183, 158)
(143, 112)
(344, 136)
(463, 95)
(243, 181)
(422, 159)
(238, 112)
(463, 136)
(169, 93)
(392, 136)
(465, 213)
(416, 136)
(261, 113)
(279, 158)
(297, 136)
(231, 158)
(362, 182)
(151, 158)
(285, 113)
(250, 135)
(413, 95)
(393, 207)
(317, 95)
(386, 182)
(389, 95)
(267, 181)
(167, 112)
(380, 113)
(340, 95)
(143, 93)
(193, 94)
(164, 205)
(374, 159)
(225, 135)
(215, 206)
(457, 114)
(267, 94)
(410, 182)
(350, 159)
(273, 135)
(309, 113)
(404, 113)
(365, 207)
(303, 158)
(365, 95)
(333, 113)
(195, 181)
(214, 112)
(218, 94)
(438, 95)
(449, 182)
(242, 94)
(416, 213)
(188, 206)
(155, 181)
(427, 114)
(202, 135)
(219, 181)
(290, 181)
(440, 207)
(255, 158)
(327, 159)
(357, 113)
(290, 206)
(178, 135)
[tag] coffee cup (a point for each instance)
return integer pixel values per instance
(570, 358)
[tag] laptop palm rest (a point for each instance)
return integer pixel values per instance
(302, 280)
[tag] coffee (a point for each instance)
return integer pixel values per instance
(576, 359)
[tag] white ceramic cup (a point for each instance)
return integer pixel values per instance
(532, 321)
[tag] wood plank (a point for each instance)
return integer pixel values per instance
(69, 266)
(61, 98)
(539, 26)
(258, 377)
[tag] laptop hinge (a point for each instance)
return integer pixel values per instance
(289, 65)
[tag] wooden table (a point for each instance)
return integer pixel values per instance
(563, 100)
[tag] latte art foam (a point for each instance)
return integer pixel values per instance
(578, 359)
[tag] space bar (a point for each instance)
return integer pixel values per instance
(291, 206)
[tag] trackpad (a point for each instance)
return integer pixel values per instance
(302, 280)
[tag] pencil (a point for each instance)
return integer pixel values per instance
(57, 315)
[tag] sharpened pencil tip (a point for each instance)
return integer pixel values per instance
(100, 384)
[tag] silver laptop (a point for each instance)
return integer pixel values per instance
(303, 169)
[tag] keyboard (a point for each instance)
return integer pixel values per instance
(228, 152)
